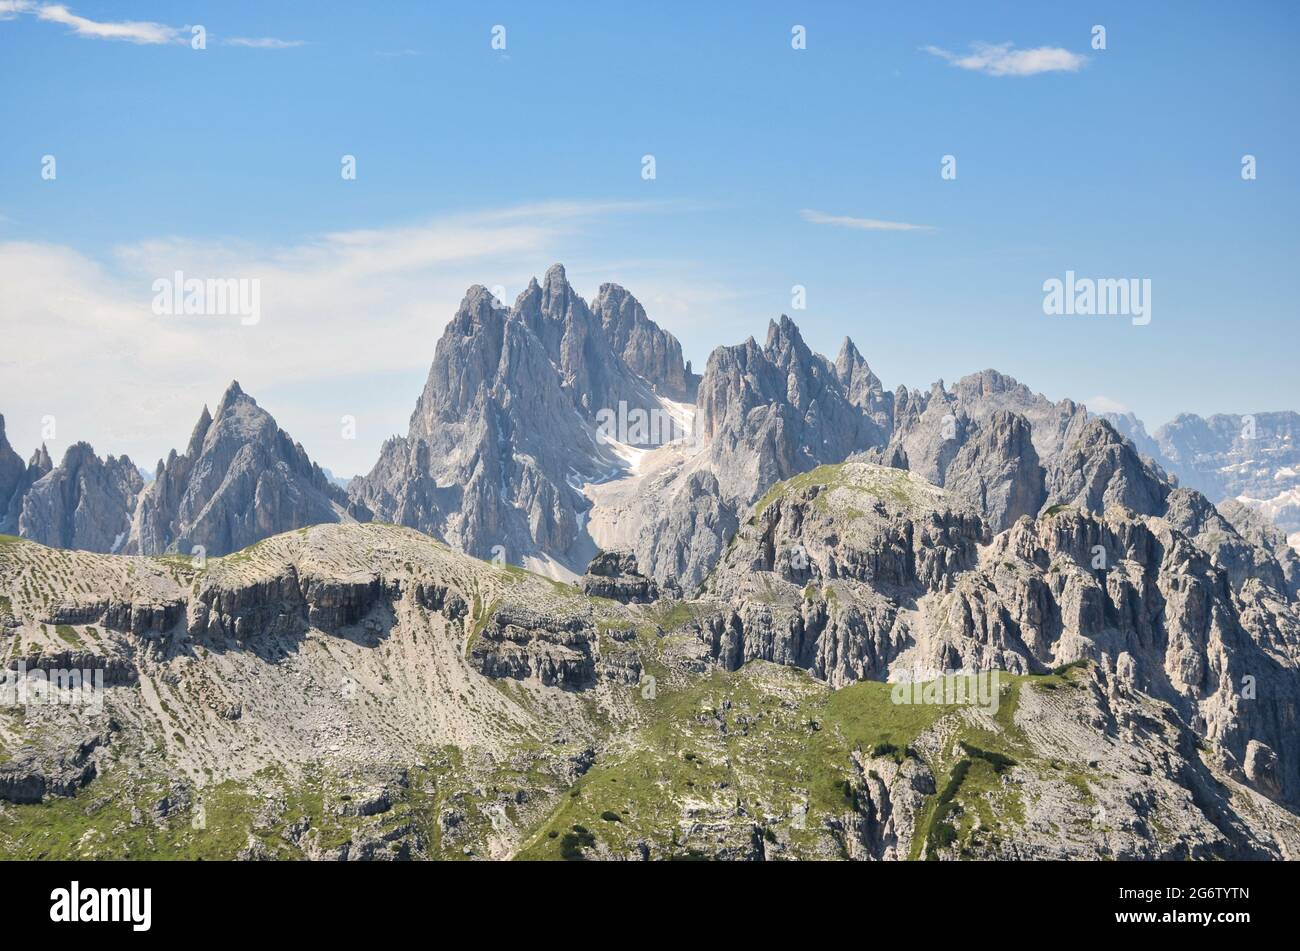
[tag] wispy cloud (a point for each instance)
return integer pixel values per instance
(264, 43)
(859, 224)
(1002, 59)
(144, 32)
(132, 31)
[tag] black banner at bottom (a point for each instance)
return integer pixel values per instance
(217, 900)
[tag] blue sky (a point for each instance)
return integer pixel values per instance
(483, 165)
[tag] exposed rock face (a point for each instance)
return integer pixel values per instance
(764, 414)
(893, 797)
(39, 466)
(84, 503)
(347, 646)
(648, 351)
(240, 479)
(12, 473)
(506, 429)
(34, 774)
(1132, 429)
(614, 575)
(556, 650)
(885, 534)
(854, 572)
(863, 387)
(997, 471)
(1101, 469)
(931, 428)
(774, 411)
(1260, 532)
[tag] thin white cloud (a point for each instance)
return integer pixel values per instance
(144, 32)
(264, 43)
(859, 224)
(1002, 59)
(132, 31)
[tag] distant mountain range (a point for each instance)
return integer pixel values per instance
(1254, 459)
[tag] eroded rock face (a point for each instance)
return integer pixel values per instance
(1174, 740)
(12, 474)
(518, 644)
(241, 479)
(857, 572)
(1231, 458)
(890, 798)
(763, 414)
(33, 773)
(648, 351)
(1099, 470)
(614, 575)
(507, 424)
(883, 535)
(997, 471)
(84, 503)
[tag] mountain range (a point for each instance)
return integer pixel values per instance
(510, 452)
(725, 574)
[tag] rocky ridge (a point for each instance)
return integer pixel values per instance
(504, 707)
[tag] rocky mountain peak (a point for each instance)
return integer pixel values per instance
(84, 502)
(240, 479)
(785, 346)
(648, 350)
(1101, 469)
(506, 428)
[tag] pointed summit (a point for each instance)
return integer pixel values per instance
(649, 351)
(200, 432)
(848, 350)
(241, 479)
(84, 503)
(232, 396)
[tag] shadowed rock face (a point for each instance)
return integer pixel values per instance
(12, 474)
(648, 351)
(763, 414)
(506, 429)
(997, 471)
(37, 468)
(1100, 470)
(240, 479)
(614, 575)
(84, 503)
(863, 388)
